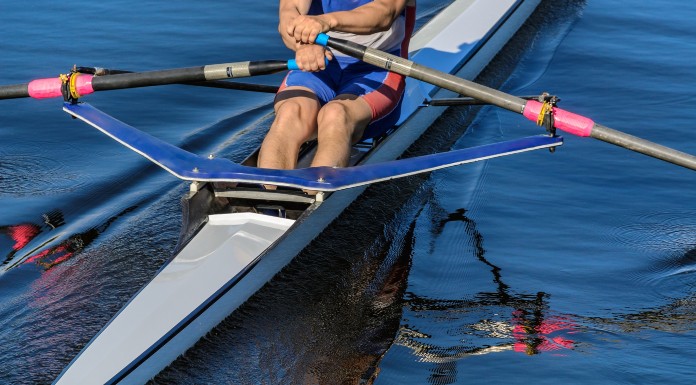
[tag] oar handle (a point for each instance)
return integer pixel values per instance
(84, 84)
(292, 64)
(563, 120)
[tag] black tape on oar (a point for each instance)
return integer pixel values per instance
(14, 91)
(267, 67)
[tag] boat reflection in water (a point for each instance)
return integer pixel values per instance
(50, 250)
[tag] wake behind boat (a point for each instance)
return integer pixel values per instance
(229, 247)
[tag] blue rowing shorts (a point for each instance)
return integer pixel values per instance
(381, 89)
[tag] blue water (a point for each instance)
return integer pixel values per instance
(572, 267)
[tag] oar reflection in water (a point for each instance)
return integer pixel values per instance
(504, 321)
(489, 322)
(49, 253)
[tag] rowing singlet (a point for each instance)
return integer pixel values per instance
(393, 40)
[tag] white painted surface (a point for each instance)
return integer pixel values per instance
(223, 247)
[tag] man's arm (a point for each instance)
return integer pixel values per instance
(309, 57)
(372, 17)
(299, 30)
(288, 11)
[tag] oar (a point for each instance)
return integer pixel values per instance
(450, 102)
(77, 84)
(224, 84)
(564, 120)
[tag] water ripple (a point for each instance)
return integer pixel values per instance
(663, 231)
(669, 239)
(48, 175)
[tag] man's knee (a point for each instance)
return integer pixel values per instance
(335, 112)
(289, 110)
(292, 125)
(343, 117)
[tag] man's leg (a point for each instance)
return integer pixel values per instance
(296, 110)
(341, 123)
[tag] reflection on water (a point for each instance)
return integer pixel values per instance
(22, 234)
(52, 256)
(442, 331)
(516, 322)
(535, 332)
(47, 254)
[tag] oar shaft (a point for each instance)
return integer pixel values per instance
(14, 91)
(643, 146)
(84, 84)
(191, 74)
(224, 84)
(563, 120)
(149, 78)
(467, 101)
(414, 70)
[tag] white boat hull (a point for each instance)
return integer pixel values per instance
(164, 318)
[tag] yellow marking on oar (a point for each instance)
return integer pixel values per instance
(546, 108)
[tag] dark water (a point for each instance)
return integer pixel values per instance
(572, 267)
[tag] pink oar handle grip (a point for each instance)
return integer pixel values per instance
(51, 88)
(563, 120)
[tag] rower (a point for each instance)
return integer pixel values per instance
(346, 100)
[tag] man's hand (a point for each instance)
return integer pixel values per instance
(310, 57)
(304, 29)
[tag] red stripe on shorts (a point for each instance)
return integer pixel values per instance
(384, 99)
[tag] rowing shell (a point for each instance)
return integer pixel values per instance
(228, 249)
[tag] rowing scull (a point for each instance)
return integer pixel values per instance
(228, 250)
